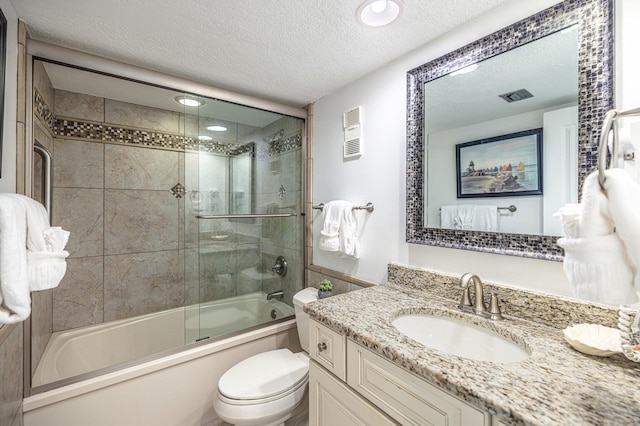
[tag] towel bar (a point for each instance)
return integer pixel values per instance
(368, 207)
(511, 208)
(609, 125)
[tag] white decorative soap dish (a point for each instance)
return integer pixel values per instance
(593, 339)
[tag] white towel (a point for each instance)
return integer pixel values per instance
(448, 217)
(595, 218)
(486, 218)
(624, 204)
(464, 218)
(348, 234)
(596, 261)
(598, 269)
(15, 303)
(31, 255)
(339, 232)
(570, 215)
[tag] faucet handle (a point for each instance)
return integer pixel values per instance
(494, 308)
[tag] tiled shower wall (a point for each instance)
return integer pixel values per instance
(135, 248)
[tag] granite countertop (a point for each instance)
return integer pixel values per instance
(555, 385)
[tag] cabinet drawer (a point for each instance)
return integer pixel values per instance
(332, 403)
(328, 348)
(405, 397)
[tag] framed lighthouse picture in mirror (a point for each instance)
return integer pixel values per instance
(501, 166)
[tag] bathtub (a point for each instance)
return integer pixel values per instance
(82, 350)
(176, 389)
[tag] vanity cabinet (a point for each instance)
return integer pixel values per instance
(369, 385)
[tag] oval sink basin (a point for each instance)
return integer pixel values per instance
(456, 337)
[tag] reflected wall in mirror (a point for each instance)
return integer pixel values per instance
(563, 56)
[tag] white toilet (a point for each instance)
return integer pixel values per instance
(266, 389)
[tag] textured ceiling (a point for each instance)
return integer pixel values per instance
(290, 51)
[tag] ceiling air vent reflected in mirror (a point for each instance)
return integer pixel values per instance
(518, 95)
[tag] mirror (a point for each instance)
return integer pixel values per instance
(449, 117)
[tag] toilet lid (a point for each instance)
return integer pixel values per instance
(264, 375)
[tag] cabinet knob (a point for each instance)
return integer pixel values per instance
(322, 346)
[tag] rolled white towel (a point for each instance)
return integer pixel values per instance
(570, 215)
(46, 269)
(55, 238)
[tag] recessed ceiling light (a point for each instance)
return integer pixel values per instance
(188, 100)
(377, 13)
(465, 70)
(217, 128)
(205, 138)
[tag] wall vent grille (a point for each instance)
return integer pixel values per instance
(351, 121)
(516, 96)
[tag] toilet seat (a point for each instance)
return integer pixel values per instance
(264, 377)
(264, 389)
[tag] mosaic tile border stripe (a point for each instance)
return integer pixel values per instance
(595, 95)
(113, 134)
(276, 144)
(42, 110)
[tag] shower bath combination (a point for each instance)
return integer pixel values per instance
(179, 231)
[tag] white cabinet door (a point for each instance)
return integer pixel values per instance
(404, 396)
(328, 349)
(331, 403)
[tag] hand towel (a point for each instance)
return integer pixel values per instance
(486, 218)
(331, 215)
(624, 205)
(339, 232)
(595, 218)
(599, 269)
(464, 218)
(348, 234)
(448, 217)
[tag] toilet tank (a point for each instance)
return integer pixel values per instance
(300, 299)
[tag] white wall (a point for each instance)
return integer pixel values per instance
(8, 179)
(379, 175)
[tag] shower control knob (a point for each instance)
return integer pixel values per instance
(322, 347)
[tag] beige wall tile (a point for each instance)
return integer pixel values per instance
(142, 117)
(79, 300)
(189, 125)
(78, 164)
(41, 323)
(142, 283)
(42, 84)
(11, 378)
(80, 211)
(77, 105)
(140, 221)
(129, 167)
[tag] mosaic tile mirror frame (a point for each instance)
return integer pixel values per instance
(595, 98)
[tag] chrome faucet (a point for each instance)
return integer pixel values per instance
(478, 306)
(276, 294)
